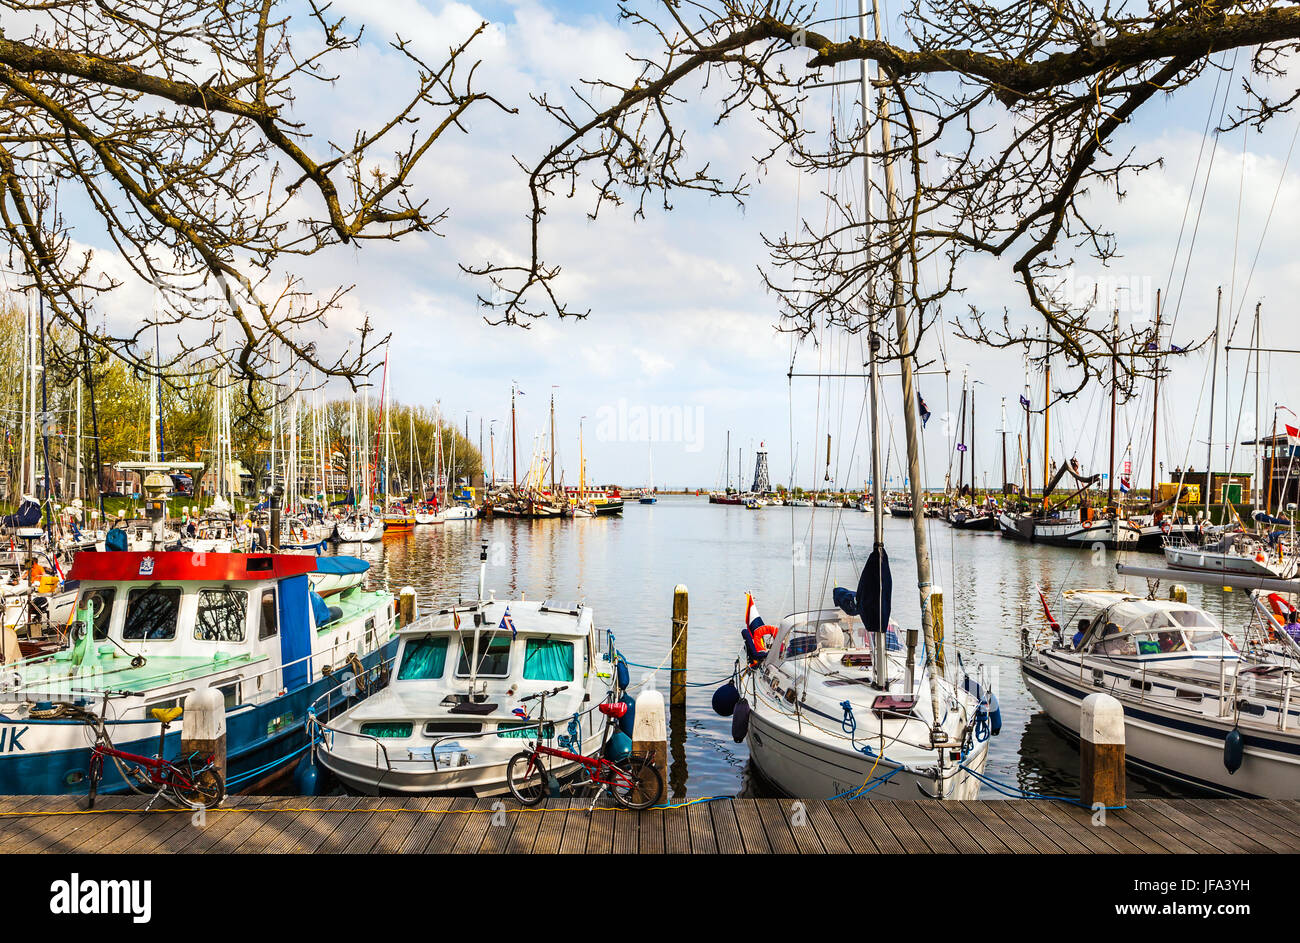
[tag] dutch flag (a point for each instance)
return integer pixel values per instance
(753, 621)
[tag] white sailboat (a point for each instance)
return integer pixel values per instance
(823, 680)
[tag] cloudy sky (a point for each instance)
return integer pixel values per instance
(680, 343)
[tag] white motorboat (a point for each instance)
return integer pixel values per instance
(816, 694)
(1197, 708)
(459, 705)
(1235, 553)
(458, 512)
(428, 517)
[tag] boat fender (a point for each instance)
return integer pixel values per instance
(1233, 749)
(619, 747)
(306, 777)
(624, 676)
(740, 721)
(995, 714)
(724, 700)
(626, 722)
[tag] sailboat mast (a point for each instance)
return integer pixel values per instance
(514, 442)
(911, 423)
(552, 445)
(1258, 341)
(1047, 418)
(1214, 376)
(1155, 404)
(974, 475)
(961, 439)
(1004, 445)
(1114, 397)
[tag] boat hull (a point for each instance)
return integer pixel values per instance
(1182, 748)
(1214, 561)
(263, 742)
(807, 769)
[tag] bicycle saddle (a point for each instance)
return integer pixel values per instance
(166, 714)
(617, 709)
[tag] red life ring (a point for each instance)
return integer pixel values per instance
(761, 634)
(1087, 524)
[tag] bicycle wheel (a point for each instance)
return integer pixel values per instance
(94, 775)
(205, 784)
(641, 786)
(527, 778)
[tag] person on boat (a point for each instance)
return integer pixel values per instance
(1170, 642)
(34, 571)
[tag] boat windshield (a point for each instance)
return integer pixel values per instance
(1156, 632)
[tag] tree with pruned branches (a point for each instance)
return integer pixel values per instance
(1001, 119)
(164, 130)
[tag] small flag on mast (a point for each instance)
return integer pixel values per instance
(1024, 401)
(508, 623)
(925, 412)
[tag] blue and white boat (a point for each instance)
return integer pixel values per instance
(271, 632)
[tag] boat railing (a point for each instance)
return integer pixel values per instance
(326, 733)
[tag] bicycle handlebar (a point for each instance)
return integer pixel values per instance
(550, 693)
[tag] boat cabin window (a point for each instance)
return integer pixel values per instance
(230, 693)
(100, 600)
(446, 728)
(493, 655)
(222, 614)
(387, 729)
(423, 659)
(548, 660)
(151, 613)
(268, 628)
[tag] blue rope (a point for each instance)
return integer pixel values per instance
(1017, 793)
(866, 787)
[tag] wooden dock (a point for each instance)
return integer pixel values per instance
(350, 824)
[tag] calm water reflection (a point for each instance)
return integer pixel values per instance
(789, 558)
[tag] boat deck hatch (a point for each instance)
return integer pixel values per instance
(894, 705)
(465, 707)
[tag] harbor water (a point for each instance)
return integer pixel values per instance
(789, 558)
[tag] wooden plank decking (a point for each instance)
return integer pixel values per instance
(285, 825)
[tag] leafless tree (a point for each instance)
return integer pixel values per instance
(1002, 120)
(164, 128)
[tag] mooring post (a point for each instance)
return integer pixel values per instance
(650, 727)
(936, 618)
(203, 726)
(681, 607)
(406, 606)
(1101, 751)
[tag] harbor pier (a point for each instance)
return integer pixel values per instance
(369, 825)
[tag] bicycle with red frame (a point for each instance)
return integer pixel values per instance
(634, 783)
(190, 781)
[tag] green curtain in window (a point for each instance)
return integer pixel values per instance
(547, 660)
(424, 659)
(386, 729)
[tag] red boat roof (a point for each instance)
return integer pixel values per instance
(133, 566)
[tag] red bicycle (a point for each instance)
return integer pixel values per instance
(186, 783)
(634, 783)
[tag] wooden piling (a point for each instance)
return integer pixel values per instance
(406, 606)
(1101, 751)
(936, 618)
(677, 689)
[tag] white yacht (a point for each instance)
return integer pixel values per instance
(1198, 709)
(820, 725)
(454, 711)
